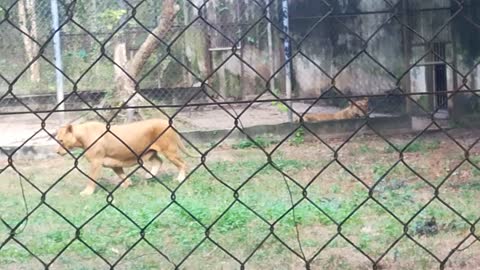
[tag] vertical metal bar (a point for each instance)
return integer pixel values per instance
(58, 56)
(454, 107)
(238, 16)
(288, 54)
(407, 54)
(270, 44)
(185, 23)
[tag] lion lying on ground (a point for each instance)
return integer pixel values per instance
(110, 152)
(349, 112)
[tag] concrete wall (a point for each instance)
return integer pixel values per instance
(329, 46)
(332, 45)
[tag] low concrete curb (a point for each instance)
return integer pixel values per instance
(387, 126)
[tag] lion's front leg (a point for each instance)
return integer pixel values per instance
(95, 168)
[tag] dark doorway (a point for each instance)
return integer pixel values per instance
(440, 77)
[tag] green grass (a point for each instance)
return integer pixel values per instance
(418, 146)
(298, 137)
(209, 202)
(365, 149)
(258, 141)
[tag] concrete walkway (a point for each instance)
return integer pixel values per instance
(18, 129)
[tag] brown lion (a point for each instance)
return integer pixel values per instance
(349, 112)
(147, 139)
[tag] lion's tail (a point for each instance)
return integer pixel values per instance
(182, 148)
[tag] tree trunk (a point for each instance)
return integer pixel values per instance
(120, 58)
(26, 13)
(35, 67)
(126, 84)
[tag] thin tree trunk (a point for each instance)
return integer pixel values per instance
(35, 67)
(126, 84)
(26, 13)
(120, 58)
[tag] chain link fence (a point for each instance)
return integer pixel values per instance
(98, 23)
(388, 185)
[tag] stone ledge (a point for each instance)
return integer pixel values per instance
(387, 125)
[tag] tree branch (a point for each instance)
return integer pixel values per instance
(126, 84)
(169, 12)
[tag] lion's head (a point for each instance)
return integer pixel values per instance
(360, 108)
(66, 138)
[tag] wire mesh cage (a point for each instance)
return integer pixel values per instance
(319, 134)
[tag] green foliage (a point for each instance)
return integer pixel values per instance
(279, 105)
(418, 146)
(299, 137)
(365, 149)
(110, 17)
(234, 219)
(290, 164)
(259, 140)
(379, 170)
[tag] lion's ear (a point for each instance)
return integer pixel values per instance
(69, 128)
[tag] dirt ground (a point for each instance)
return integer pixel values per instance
(16, 129)
(354, 192)
(365, 180)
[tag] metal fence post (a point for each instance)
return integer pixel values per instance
(270, 43)
(58, 57)
(288, 54)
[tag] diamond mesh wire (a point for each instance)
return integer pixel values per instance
(88, 28)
